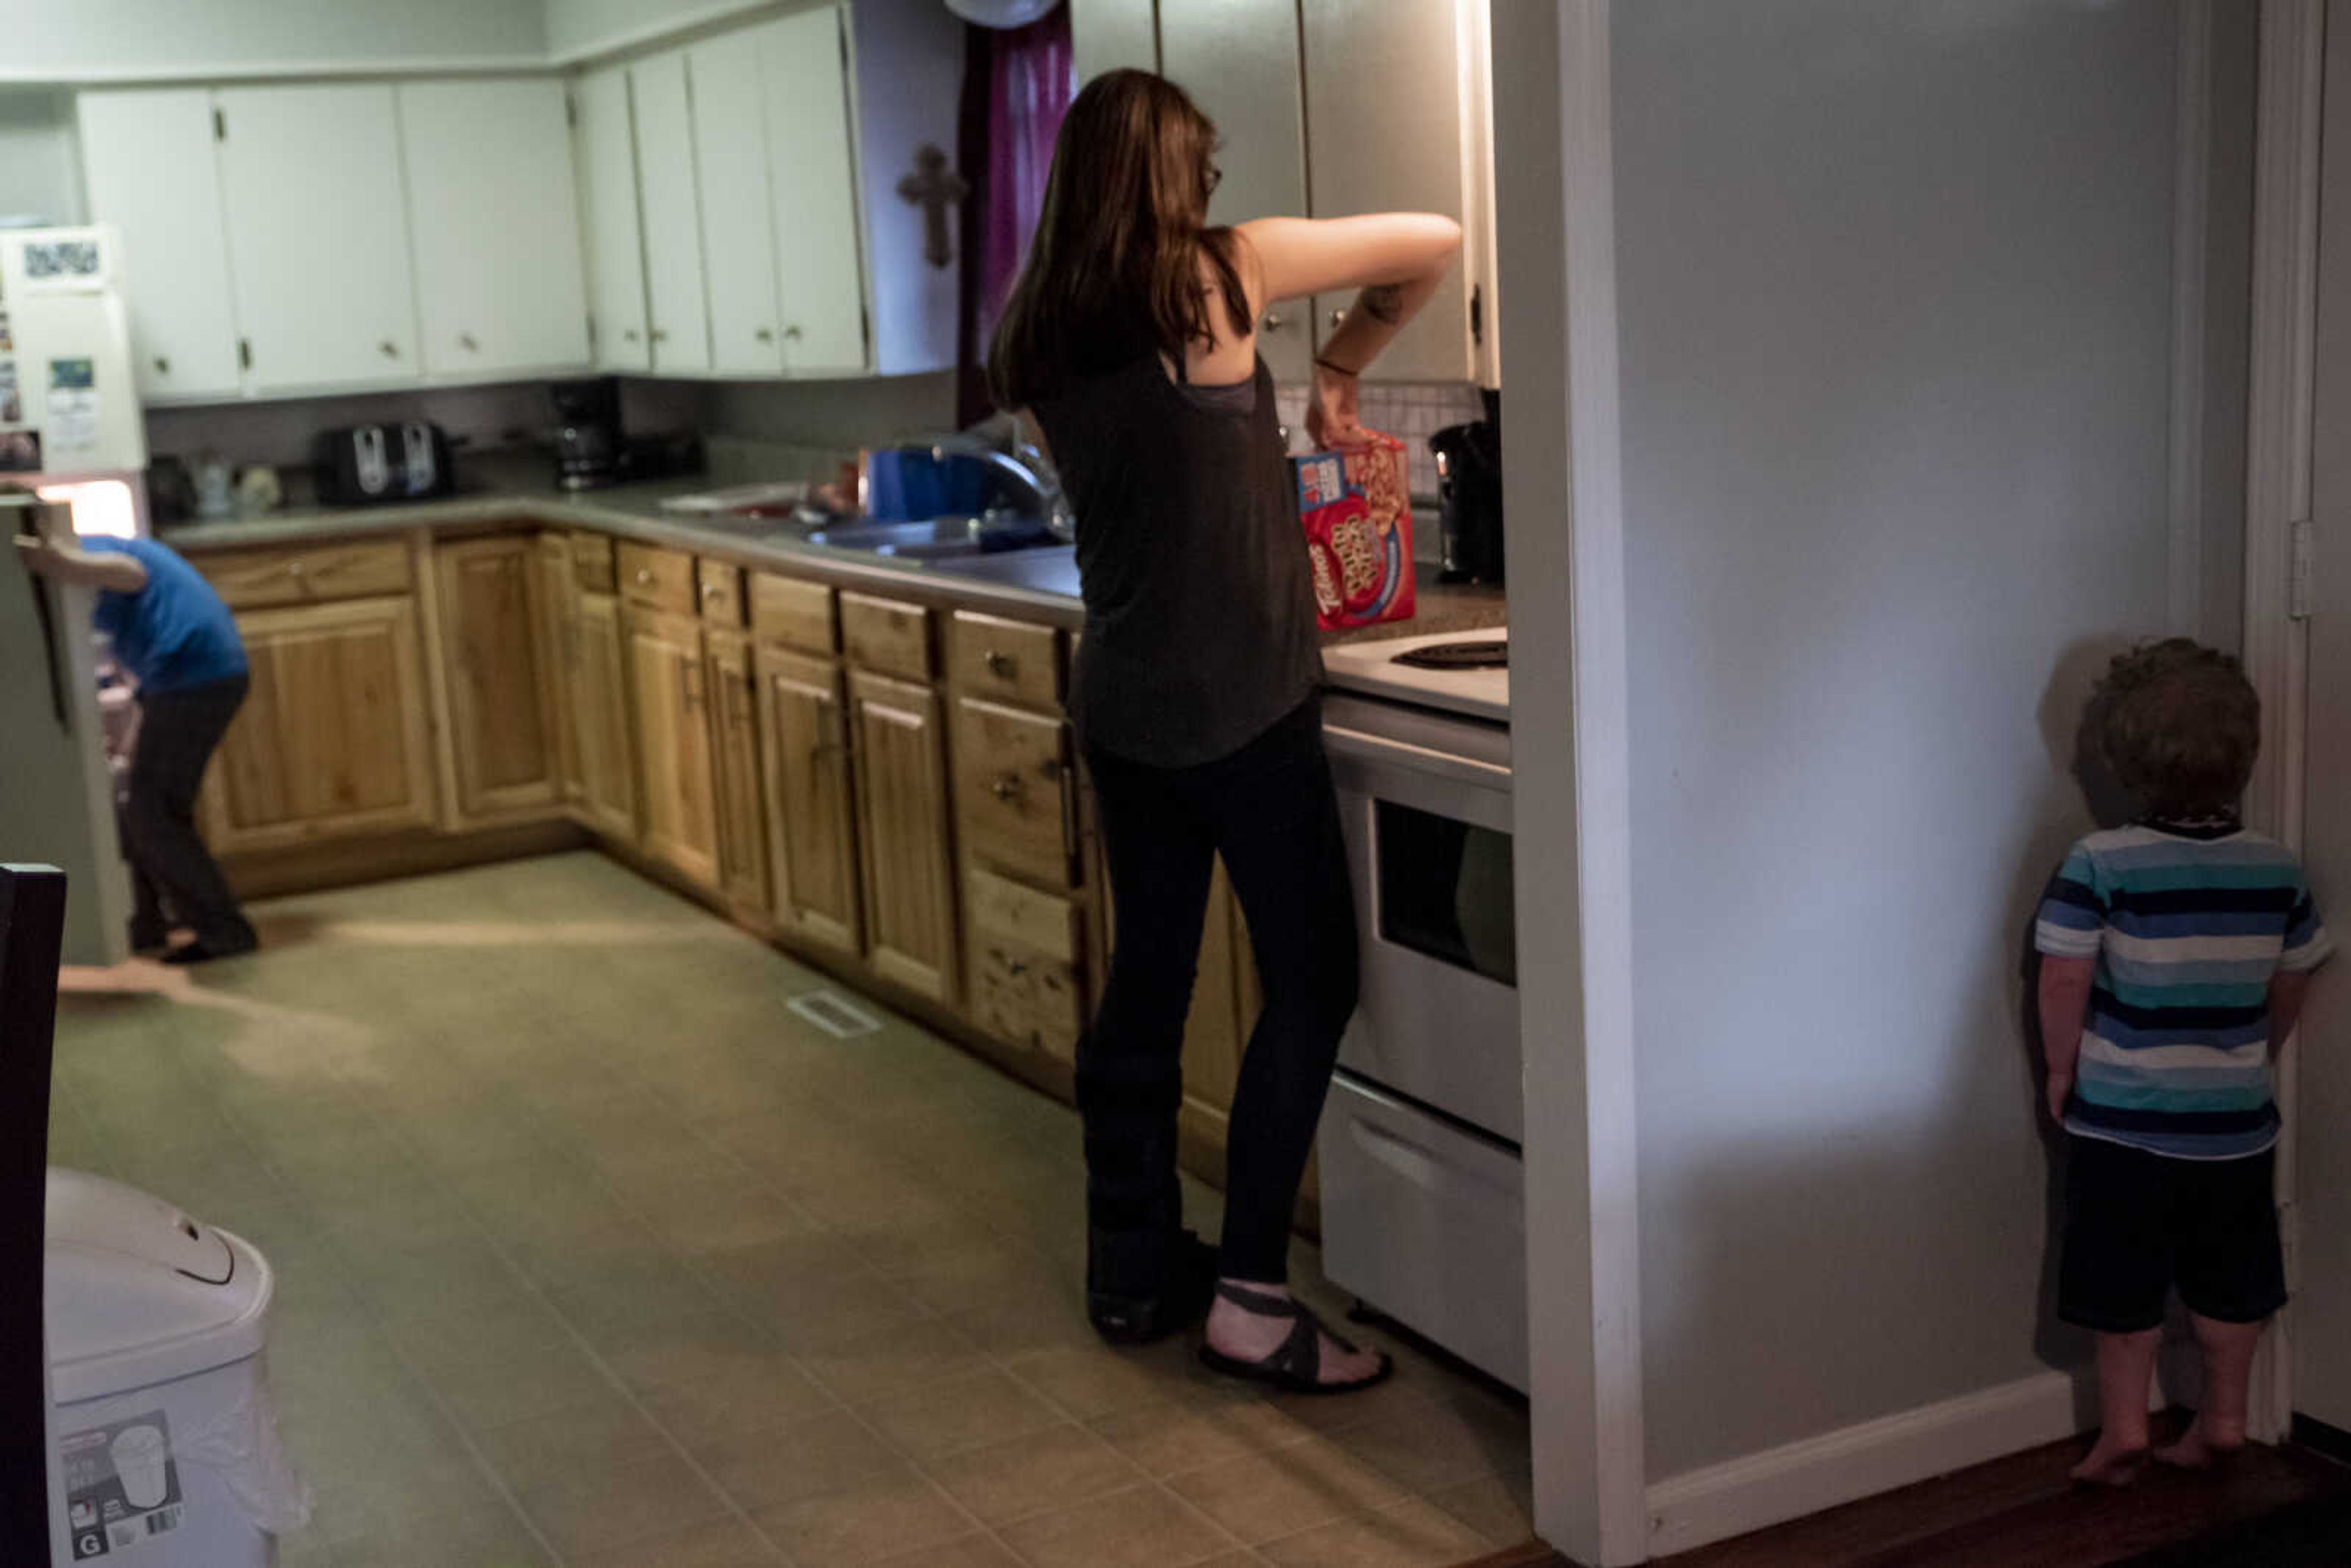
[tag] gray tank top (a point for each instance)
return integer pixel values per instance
(1200, 628)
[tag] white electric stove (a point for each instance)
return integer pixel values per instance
(1370, 667)
(1421, 1215)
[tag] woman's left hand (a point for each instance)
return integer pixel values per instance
(1331, 419)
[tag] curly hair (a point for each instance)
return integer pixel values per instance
(2180, 726)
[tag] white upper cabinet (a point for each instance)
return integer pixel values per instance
(679, 321)
(1105, 35)
(1238, 60)
(148, 157)
(1377, 146)
(496, 227)
(614, 249)
(318, 235)
(738, 241)
(812, 164)
(906, 59)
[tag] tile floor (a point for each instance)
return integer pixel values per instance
(590, 1253)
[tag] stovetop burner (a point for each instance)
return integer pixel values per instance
(1484, 653)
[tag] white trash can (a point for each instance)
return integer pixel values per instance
(167, 1435)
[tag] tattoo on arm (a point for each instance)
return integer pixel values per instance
(1383, 302)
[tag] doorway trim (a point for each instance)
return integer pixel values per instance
(1571, 759)
(2277, 496)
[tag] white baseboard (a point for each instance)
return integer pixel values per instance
(1702, 1506)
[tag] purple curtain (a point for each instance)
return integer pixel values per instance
(1016, 88)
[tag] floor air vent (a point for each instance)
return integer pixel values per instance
(835, 1014)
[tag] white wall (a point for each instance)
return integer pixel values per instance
(40, 165)
(1895, 291)
(578, 29)
(114, 40)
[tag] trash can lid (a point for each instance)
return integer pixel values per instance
(137, 1293)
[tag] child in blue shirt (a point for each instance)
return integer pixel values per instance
(2176, 954)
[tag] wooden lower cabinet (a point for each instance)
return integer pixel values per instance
(502, 742)
(905, 849)
(596, 677)
(734, 752)
(677, 795)
(334, 740)
(1026, 986)
(1016, 789)
(811, 794)
(559, 637)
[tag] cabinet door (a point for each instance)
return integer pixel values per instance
(902, 796)
(811, 825)
(606, 146)
(734, 743)
(318, 235)
(501, 742)
(1239, 59)
(600, 720)
(738, 238)
(558, 646)
(679, 795)
(333, 740)
(496, 218)
(147, 157)
(820, 283)
(1105, 35)
(678, 314)
(1386, 151)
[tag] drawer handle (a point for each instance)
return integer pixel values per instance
(999, 665)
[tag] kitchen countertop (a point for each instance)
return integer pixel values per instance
(1041, 583)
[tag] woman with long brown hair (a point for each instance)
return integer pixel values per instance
(1130, 339)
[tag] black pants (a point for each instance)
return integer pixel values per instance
(1270, 810)
(172, 872)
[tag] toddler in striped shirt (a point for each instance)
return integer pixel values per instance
(2176, 953)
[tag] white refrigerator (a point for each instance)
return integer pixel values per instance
(71, 435)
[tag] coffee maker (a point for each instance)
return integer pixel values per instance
(1470, 490)
(588, 442)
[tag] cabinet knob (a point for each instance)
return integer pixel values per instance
(999, 665)
(660, 336)
(791, 334)
(1005, 787)
(644, 577)
(629, 335)
(466, 341)
(162, 364)
(1274, 322)
(1339, 316)
(765, 334)
(390, 349)
(293, 569)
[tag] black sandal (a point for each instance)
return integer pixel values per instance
(1296, 1365)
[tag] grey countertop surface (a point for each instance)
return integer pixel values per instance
(1041, 582)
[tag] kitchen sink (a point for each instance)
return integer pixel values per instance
(942, 538)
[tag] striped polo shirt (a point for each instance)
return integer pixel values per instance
(2189, 925)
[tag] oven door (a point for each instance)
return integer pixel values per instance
(1428, 847)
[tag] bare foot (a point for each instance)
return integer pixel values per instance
(2112, 1463)
(2200, 1448)
(1250, 1336)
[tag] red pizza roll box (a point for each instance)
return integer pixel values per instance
(1357, 508)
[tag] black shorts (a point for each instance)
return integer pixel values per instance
(2138, 1224)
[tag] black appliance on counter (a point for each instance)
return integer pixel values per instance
(587, 433)
(1470, 490)
(362, 464)
(592, 450)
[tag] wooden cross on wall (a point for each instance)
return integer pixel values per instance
(934, 188)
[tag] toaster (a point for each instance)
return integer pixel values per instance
(362, 464)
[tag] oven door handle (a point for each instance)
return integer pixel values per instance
(1357, 745)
